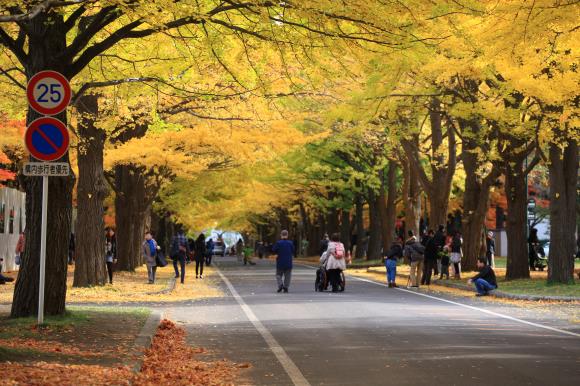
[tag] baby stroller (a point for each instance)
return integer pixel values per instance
(321, 283)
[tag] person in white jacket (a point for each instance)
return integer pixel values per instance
(334, 260)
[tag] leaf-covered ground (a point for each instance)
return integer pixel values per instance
(131, 287)
(94, 347)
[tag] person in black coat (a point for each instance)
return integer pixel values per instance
(199, 255)
(431, 252)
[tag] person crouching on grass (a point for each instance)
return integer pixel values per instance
(484, 281)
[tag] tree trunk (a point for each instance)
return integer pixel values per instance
(391, 215)
(475, 204)
(563, 195)
(438, 186)
(41, 53)
(131, 205)
(345, 228)
(375, 228)
(412, 199)
(360, 227)
(382, 206)
(91, 192)
(332, 221)
(516, 194)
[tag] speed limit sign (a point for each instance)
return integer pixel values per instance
(48, 92)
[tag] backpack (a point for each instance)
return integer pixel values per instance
(339, 251)
(417, 252)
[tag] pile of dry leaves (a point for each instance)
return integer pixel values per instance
(169, 361)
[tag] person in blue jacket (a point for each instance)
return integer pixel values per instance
(284, 248)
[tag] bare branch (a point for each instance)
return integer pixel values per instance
(43, 6)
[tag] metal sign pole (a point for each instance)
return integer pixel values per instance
(42, 250)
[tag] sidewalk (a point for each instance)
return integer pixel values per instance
(403, 273)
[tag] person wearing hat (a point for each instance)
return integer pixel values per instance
(490, 251)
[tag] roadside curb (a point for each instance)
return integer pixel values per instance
(144, 339)
(498, 294)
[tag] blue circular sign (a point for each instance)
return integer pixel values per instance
(47, 139)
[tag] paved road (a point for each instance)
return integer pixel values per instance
(372, 335)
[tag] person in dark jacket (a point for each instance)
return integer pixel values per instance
(439, 239)
(416, 254)
(284, 248)
(431, 252)
(394, 253)
(208, 251)
(533, 243)
(199, 255)
(110, 251)
(490, 249)
(179, 252)
(485, 280)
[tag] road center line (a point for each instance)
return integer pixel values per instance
(475, 308)
(291, 369)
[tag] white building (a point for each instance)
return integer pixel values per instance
(12, 222)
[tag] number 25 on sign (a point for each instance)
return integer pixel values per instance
(48, 92)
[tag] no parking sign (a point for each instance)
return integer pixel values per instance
(47, 139)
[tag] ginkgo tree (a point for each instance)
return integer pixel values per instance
(68, 36)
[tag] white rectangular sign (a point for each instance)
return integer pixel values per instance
(49, 169)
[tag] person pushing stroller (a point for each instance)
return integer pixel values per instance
(334, 261)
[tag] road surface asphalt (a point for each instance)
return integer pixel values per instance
(373, 335)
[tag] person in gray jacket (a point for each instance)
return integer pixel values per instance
(415, 251)
(149, 249)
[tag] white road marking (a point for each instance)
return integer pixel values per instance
(475, 308)
(291, 369)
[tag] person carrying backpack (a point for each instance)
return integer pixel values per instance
(394, 253)
(179, 252)
(149, 249)
(335, 261)
(416, 254)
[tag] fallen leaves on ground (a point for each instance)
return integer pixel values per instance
(169, 361)
(132, 287)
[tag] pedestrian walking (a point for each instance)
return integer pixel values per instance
(149, 250)
(284, 249)
(199, 255)
(456, 254)
(209, 251)
(110, 251)
(335, 262)
(485, 280)
(71, 249)
(490, 249)
(20, 248)
(415, 252)
(444, 263)
(431, 252)
(179, 251)
(439, 239)
(240, 250)
(533, 242)
(395, 252)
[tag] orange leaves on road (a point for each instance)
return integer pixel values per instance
(170, 361)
